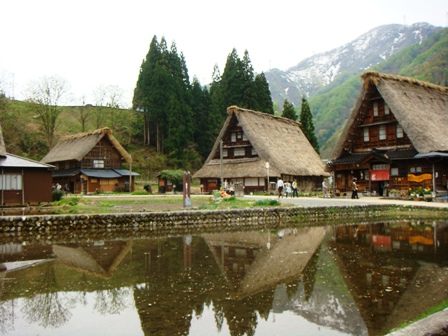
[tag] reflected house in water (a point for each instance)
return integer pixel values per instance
(100, 258)
(390, 269)
(91, 161)
(254, 263)
(258, 146)
(395, 137)
(23, 181)
(352, 280)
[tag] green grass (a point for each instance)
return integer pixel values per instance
(441, 306)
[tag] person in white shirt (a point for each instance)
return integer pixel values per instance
(280, 186)
(324, 188)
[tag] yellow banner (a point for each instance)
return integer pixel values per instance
(419, 178)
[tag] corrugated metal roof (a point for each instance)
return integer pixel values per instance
(15, 161)
(98, 173)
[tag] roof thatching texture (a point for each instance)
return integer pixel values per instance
(420, 107)
(286, 258)
(2, 144)
(76, 147)
(277, 140)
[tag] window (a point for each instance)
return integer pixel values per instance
(239, 152)
(98, 163)
(383, 135)
(11, 182)
(375, 108)
(233, 137)
(381, 166)
(386, 109)
(251, 181)
(415, 169)
(399, 131)
(366, 134)
(254, 152)
(225, 152)
(108, 181)
(394, 172)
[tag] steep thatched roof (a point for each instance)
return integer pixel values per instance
(420, 107)
(277, 140)
(75, 147)
(2, 144)
(285, 259)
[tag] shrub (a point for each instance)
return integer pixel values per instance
(57, 195)
(268, 202)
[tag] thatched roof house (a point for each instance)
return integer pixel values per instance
(77, 146)
(396, 121)
(22, 180)
(252, 139)
(91, 161)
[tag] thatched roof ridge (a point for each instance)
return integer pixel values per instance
(277, 140)
(76, 146)
(375, 76)
(420, 107)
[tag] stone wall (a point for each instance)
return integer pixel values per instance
(72, 227)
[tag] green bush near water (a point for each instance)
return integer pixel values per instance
(268, 202)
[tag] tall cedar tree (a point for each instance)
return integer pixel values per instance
(306, 119)
(163, 94)
(263, 98)
(289, 111)
(204, 135)
(239, 86)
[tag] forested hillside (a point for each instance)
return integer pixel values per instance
(427, 61)
(173, 123)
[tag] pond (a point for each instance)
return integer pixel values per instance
(322, 280)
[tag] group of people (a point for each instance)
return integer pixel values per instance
(57, 186)
(287, 188)
(229, 188)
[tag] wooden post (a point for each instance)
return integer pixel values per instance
(186, 190)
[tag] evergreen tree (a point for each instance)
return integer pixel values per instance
(306, 120)
(163, 94)
(263, 98)
(289, 111)
(249, 99)
(202, 113)
(219, 106)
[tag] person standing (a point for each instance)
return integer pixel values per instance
(280, 186)
(295, 189)
(324, 188)
(354, 189)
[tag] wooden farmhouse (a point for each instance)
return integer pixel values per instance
(395, 138)
(23, 181)
(90, 162)
(259, 147)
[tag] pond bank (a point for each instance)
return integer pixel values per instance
(23, 228)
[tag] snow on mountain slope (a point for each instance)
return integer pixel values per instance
(369, 49)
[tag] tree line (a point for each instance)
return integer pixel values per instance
(179, 118)
(183, 119)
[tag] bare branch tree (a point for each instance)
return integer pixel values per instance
(47, 94)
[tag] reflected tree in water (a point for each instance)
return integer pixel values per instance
(309, 274)
(6, 316)
(111, 301)
(50, 309)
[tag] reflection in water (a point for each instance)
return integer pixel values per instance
(345, 280)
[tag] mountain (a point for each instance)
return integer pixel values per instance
(426, 61)
(315, 73)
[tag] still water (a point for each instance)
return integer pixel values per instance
(323, 280)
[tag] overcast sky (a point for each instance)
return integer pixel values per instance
(103, 42)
